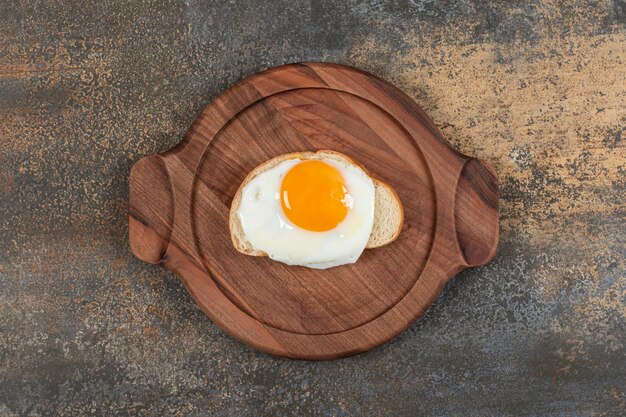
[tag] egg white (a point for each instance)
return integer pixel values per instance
(268, 229)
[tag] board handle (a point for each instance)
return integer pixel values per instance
(476, 213)
(151, 211)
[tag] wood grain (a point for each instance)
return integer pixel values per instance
(180, 200)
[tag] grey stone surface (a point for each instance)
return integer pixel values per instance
(536, 88)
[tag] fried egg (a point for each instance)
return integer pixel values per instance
(317, 212)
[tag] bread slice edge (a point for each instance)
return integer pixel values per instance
(388, 210)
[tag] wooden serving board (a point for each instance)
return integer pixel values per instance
(180, 201)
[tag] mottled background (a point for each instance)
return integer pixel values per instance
(536, 88)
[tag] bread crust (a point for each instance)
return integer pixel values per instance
(380, 187)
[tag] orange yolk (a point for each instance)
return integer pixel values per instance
(313, 196)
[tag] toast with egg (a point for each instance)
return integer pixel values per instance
(388, 211)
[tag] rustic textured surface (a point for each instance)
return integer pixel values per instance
(537, 89)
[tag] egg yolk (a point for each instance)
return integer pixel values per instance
(314, 197)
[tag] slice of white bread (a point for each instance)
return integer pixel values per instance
(388, 212)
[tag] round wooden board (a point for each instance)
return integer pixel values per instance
(180, 202)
